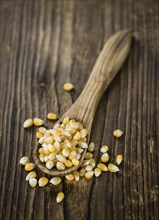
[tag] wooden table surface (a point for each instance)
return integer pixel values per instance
(43, 44)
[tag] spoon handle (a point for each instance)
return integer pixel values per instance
(106, 67)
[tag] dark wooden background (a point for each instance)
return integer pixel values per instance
(46, 43)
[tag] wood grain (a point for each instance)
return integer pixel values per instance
(46, 43)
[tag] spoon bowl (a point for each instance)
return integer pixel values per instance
(83, 110)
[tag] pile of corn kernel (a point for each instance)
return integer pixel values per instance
(62, 147)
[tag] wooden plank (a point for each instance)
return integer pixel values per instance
(45, 43)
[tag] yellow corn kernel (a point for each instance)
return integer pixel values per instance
(66, 120)
(55, 181)
(112, 168)
(89, 174)
(104, 149)
(73, 148)
(66, 152)
(29, 166)
(30, 175)
(61, 158)
(41, 157)
(24, 160)
(82, 172)
(91, 147)
(46, 158)
(39, 135)
(92, 162)
(38, 122)
(33, 182)
(83, 144)
(60, 166)
(68, 86)
(49, 164)
(85, 163)
(74, 143)
(41, 150)
(51, 148)
(75, 162)
(102, 167)
(88, 155)
(119, 159)
(60, 197)
(57, 137)
(97, 172)
(42, 130)
(43, 181)
(105, 157)
(51, 116)
(68, 143)
(84, 133)
(76, 175)
(28, 123)
(117, 133)
(72, 155)
(77, 136)
(89, 168)
(52, 156)
(68, 163)
(57, 146)
(69, 177)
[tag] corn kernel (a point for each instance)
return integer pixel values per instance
(91, 147)
(84, 133)
(42, 130)
(30, 175)
(89, 174)
(88, 155)
(24, 160)
(117, 133)
(66, 152)
(41, 150)
(78, 156)
(72, 155)
(83, 144)
(105, 157)
(41, 157)
(60, 197)
(69, 177)
(51, 148)
(51, 116)
(57, 146)
(61, 158)
(77, 136)
(68, 163)
(102, 167)
(39, 135)
(76, 175)
(68, 86)
(52, 156)
(43, 181)
(104, 149)
(85, 163)
(33, 182)
(55, 181)
(28, 123)
(89, 168)
(38, 122)
(49, 164)
(60, 166)
(68, 143)
(112, 168)
(119, 159)
(75, 162)
(79, 150)
(66, 120)
(46, 158)
(82, 172)
(97, 172)
(29, 166)
(92, 162)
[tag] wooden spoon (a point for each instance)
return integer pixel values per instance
(106, 67)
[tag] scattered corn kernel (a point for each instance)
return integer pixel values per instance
(89, 168)
(88, 155)
(119, 159)
(66, 120)
(89, 174)
(68, 86)
(112, 168)
(29, 166)
(104, 149)
(105, 157)
(49, 164)
(69, 177)
(38, 122)
(60, 197)
(82, 172)
(24, 160)
(117, 133)
(102, 167)
(97, 172)
(51, 116)
(43, 181)
(92, 162)
(28, 123)
(33, 182)
(55, 181)
(30, 175)
(91, 147)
